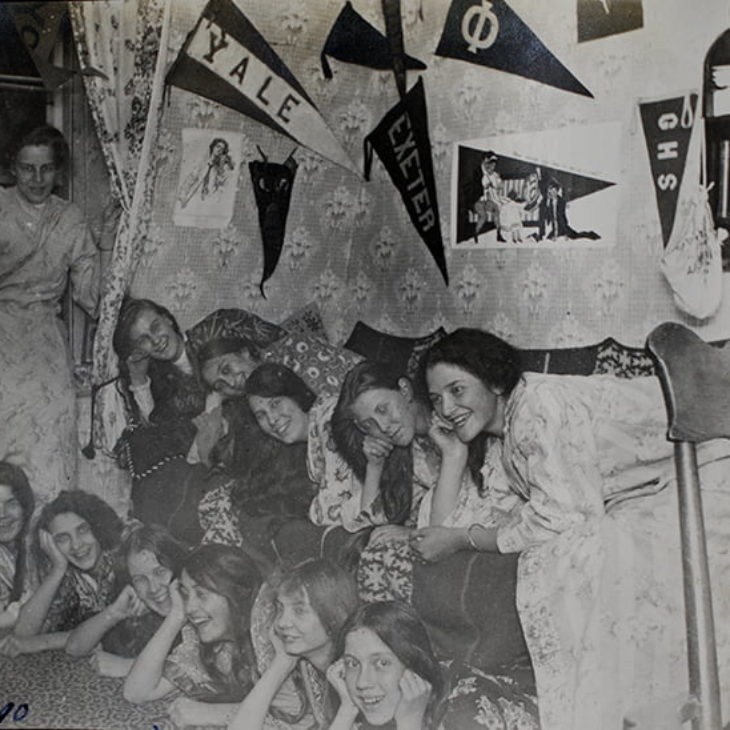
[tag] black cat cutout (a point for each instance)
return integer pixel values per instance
(272, 185)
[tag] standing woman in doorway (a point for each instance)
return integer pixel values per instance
(44, 240)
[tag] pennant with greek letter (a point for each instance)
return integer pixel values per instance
(667, 130)
(490, 33)
(353, 40)
(225, 59)
(403, 146)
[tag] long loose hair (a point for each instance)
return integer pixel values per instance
(14, 477)
(227, 571)
(396, 481)
(399, 627)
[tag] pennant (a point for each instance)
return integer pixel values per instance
(394, 33)
(667, 130)
(601, 18)
(402, 143)
(353, 40)
(272, 184)
(38, 25)
(491, 34)
(225, 59)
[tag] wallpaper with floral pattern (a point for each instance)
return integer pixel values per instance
(349, 244)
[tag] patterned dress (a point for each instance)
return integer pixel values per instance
(337, 501)
(82, 594)
(39, 247)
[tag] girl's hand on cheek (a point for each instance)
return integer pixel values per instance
(177, 610)
(282, 658)
(415, 692)
(376, 450)
(443, 435)
(59, 562)
(336, 677)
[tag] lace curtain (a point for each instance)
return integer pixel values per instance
(122, 39)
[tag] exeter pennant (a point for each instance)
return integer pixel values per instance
(402, 143)
(225, 59)
(490, 33)
(667, 129)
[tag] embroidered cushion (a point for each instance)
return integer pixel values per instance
(613, 358)
(322, 366)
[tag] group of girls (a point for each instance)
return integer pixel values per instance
(231, 647)
(574, 474)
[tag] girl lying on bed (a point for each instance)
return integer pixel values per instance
(261, 480)
(576, 474)
(150, 558)
(380, 426)
(388, 676)
(287, 410)
(298, 615)
(75, 538)
(16, 509)
(213, 664)
(290, 414)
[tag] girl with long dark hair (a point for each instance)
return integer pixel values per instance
(388, 676)
(16, 510)
(213, 666)
(304, 607)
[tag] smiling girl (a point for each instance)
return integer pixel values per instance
(213, 666)
(380, 425)
(305, 606)
(287, 410)
(388, 676)
(151, 559)
(75, 538)
(16, 509)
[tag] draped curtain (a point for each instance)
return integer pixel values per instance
(127, 41)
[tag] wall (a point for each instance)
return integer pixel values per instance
(350, 245)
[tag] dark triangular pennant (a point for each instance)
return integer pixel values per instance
(272, 185)
(491, 34)
(225, 59)
(394, 33)
(571, 186)
(38, 24)
(402, 143)
(667, 129)
(353, 40)
(601, 18)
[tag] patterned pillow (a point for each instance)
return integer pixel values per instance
(234, 323)
(322, 366)
(306, 321)
(613, 358)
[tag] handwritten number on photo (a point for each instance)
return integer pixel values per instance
(20, 713)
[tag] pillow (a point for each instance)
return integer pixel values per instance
(626, 362)
(404, 353)
(320, 365)
(306, 321)
(224, 323)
